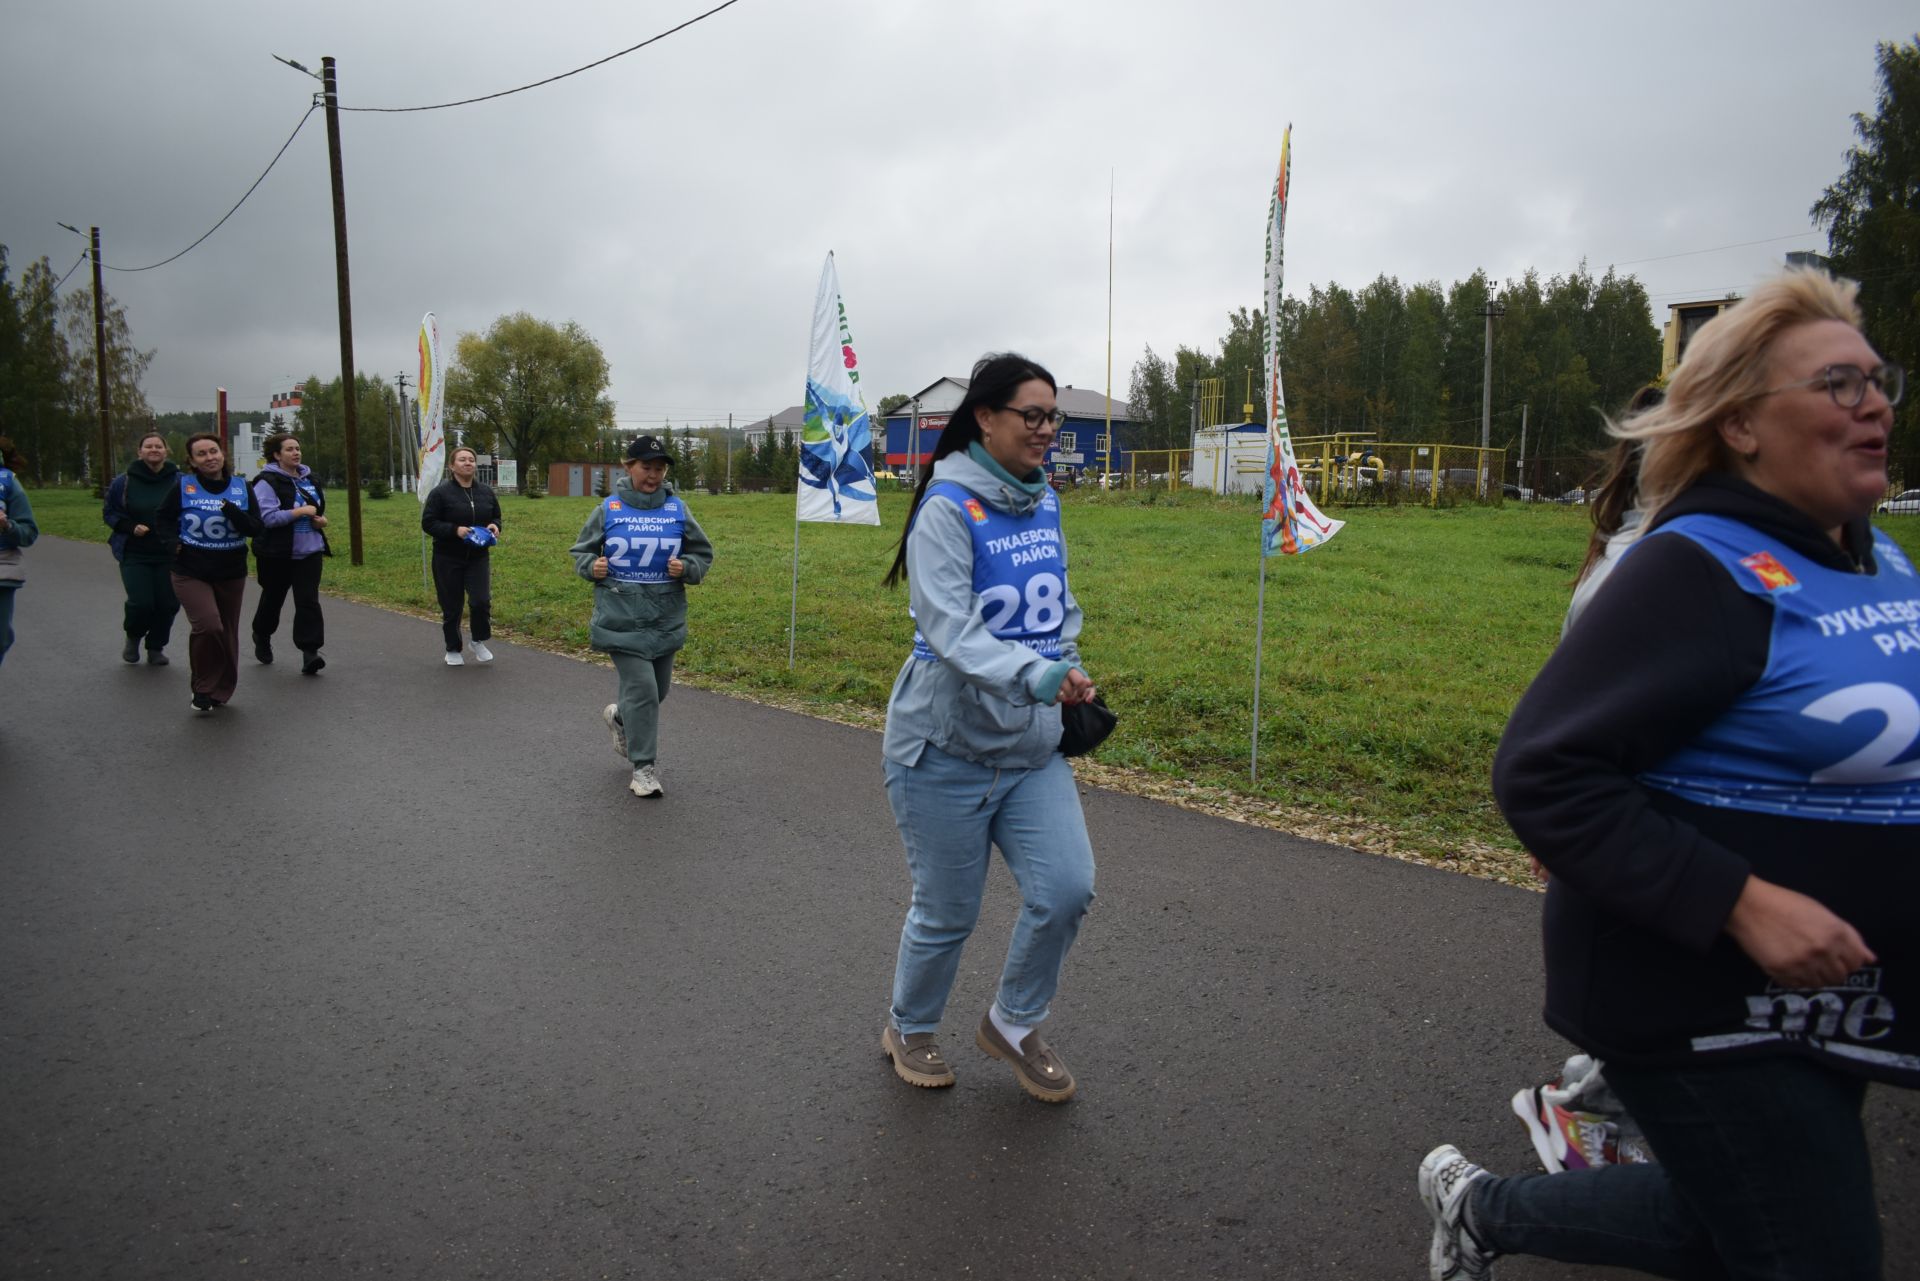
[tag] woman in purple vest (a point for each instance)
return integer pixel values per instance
(1720, 768)
(290, 551)
(972, 745)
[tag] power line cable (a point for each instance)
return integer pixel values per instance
(488, 97)
(71, 270)
(1689, 253)
(313, 107)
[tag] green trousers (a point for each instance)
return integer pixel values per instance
(151, 606)
(643, 684)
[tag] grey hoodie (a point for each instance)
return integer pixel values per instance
(988, 700)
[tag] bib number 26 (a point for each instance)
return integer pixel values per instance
(208, 527)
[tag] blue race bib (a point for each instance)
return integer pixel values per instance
(202, 523)
(638, 544)
(1019, 571)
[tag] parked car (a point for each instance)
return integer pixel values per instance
(1904, 503)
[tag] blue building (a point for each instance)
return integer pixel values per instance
(1080, 448)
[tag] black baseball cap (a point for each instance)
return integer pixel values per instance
(642, 449)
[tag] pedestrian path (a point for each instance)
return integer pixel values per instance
(380, 973)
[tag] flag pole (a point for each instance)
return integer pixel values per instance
(1259, 627)
(793, 606)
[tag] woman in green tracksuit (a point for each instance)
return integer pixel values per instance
(640, 549)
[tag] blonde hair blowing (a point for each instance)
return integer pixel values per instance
(1725, 367)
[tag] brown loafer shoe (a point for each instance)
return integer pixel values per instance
(916, 1058)
(1037, 1068)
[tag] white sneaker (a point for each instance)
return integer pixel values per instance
(610, 715)
(1446, 1178)
(454, 659)
(481, 654)
(645, 783)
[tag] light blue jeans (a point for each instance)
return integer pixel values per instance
(951, 812)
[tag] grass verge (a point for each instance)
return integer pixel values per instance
(1392, 657)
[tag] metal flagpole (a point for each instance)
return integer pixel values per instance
(1259, 626)
(793, 608)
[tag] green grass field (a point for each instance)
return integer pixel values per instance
(1393, 654)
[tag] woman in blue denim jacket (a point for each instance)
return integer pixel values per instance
(973, 728)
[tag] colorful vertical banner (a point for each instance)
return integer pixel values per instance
(1289, 523)
(836, 471)
(433, 438)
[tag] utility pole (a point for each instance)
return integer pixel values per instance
(412, 447)
(1491, 311)
(103, 474)
(100, 365)
(729, 484)
(347, 386)
(1522, 465)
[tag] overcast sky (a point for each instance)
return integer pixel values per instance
(678, 202)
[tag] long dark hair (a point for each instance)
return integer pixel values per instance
(996, 376)
(1621, 488)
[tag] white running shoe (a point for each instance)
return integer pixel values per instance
(610, 714)
(481, 654)
(1446, 1178)
(645, 783)
(454, 659)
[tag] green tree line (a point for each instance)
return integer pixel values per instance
(49, 388)
(1406, 362)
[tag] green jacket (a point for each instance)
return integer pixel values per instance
(648, 620)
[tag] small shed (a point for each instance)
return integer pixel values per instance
(1230, 458)
(583, 480)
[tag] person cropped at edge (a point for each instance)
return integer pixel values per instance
(288, 556)
(1719, 767)
(144, 548)
(212, 513)
(461, 570)
(972, 741)
(17, 530)
(640, 549)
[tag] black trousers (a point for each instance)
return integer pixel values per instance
(471, 579)
(279, 575)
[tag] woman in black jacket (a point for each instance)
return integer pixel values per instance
(462, 517)
(144, 548)
(1720, 769)
(211, 513)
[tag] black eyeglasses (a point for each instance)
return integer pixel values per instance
(1036, 417)
(1847, 384)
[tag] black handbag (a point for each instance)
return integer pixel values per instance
(1084, 726)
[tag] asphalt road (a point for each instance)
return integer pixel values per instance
(383, 973)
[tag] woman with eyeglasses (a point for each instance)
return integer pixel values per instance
(1720, 768)
(971, 751)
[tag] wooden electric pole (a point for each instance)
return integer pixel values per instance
(348, 385)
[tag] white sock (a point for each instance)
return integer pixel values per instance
(1014, 1033)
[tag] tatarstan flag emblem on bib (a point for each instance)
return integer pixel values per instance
(1773, 576)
